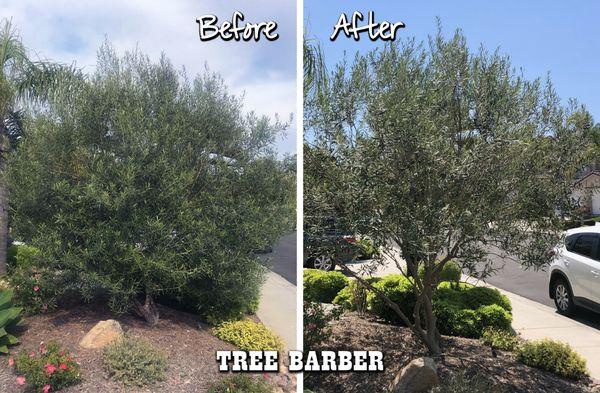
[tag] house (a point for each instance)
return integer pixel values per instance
(586, 191)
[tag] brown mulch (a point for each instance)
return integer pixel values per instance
(354, 332)
(189, 345)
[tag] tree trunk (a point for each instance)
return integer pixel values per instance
(4, 147)
(147, 310)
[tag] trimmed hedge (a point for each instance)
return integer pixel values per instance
(461, 309)
(321, 286)
(553, 356)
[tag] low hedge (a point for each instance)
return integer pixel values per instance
(553, 356)
(461, 309)
(321, 286)
(346, 297)
(249, 336)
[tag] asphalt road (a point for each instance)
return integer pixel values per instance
(532, 285)
(283, 257)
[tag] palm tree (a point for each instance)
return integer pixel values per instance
(22, 81)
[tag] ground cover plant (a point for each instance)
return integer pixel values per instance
(317, 324)
(249, 335)
(553, 356)
(138, 183)
(134, 362)
(439, 153)
(52, 368)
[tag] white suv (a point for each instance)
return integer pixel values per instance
(574, 273)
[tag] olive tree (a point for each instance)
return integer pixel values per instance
(441, 153)
(145, 184)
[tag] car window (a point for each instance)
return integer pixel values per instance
(584, 245)
(570, 242)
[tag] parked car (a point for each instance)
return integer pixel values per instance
(322, 253)
(574, 274)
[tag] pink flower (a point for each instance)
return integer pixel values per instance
(32, 354)
(311, 326)
(50, 368)
(21, 380)
(11, 362)
(62, 352)
(62, 366)
(36, 288)
(47, 388)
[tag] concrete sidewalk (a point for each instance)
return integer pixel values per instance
(277, 308)
(534, 321)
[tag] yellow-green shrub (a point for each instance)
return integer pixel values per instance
(321, 286)
(553, 356)
(249, 336)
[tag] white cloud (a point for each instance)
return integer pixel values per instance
(71, 31)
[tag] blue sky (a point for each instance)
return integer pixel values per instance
(265, 72)
(559, 37)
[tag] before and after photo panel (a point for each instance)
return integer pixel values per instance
(298, 196)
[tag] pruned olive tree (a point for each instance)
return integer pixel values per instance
(145, 184)
(441, 153)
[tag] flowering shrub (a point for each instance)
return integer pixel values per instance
(134, 362)
(249, 336)
(35, 289)
(317, 326)
(50, 369)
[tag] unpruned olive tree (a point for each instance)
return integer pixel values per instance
(441, 153)
(145, 184)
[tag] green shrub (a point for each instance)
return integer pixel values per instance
(248, 336)
(9, 317)
(500, 339)
(553, 356)
(240, 384)
(134, 362)
(36, 289)
(51, 369)
(347, 298)
(322, 286)
(476, 297)
(22, 256)
(365, 248)
(455, 321)
(493, 316)
(451, 272)
(399, 290)
(317, 324)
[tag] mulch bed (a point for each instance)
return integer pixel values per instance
(354, 332)
(189, 345)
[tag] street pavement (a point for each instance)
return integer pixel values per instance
(277, 306)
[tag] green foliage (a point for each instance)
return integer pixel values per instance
(451, 272)
(51, 366)
(134, 362)
(365, 248)
(249, 336)
(317, 324)
(354, 295)
(9, 317)
(399, 290)
(493, 315)
(322, 286)
(143, 182)
(553, 356)
(22, 256)
(500, 339)
(240, 384)
(476, 297)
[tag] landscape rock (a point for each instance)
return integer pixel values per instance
(420, 375)
(103, 333)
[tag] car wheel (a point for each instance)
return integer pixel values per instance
(563, 298)
(323, 262)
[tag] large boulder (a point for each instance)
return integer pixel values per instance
(102, 334)
(420, 375)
